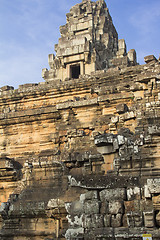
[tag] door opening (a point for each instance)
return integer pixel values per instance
(75, 71)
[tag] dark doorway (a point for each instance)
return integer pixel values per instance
(75, 71)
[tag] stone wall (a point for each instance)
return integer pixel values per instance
(80, 158)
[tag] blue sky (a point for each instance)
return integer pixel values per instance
(30, 28)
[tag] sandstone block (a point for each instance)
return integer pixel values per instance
(97, 221)
(4, 207)
(74, 208)
(116, 207)
(73, 233)
(138, 218)
(133, 193)
(132, 56)
(6, 88)
(121, 139)
(156, 202)
(149, 219)
(104, 207)
(107, 220)
(106, 149)
(121, 108)
(116, 220)
(113, 194)
(121, 44)
(87, 222)
(91, 207)
(158, 219)
(153, 185)
(75, 221)
(135, 219)
(115, 119)
(89, 195)
(150, 58)
(129, 206)
(55, 203)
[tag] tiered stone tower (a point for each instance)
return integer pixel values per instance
(89, 42)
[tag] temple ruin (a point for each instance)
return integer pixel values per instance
(80, 152)
(89, 42)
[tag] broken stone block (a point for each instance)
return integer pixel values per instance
(89, 195)
(116, 207)
(55, 203)
(116, 220)
(114, 119)
(6, 88)
(129, 115)
(121, 140)
(74, 207)
(154, 130)
(121, 48)
(121, 108)
(104, 140)
(132, 57)
(75, 221)
(150, 58)
(121, 60)
(115, 144)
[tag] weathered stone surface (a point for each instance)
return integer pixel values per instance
(91, 207)
(116, 207)
(116, 220)
(150, 58)
(79, 153)
(89, 195)
(107, 220)
(133, 193)
(149, 219)
(76, 208)
(113, 194)
(121, 108)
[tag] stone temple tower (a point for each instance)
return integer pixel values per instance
(89, 42)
